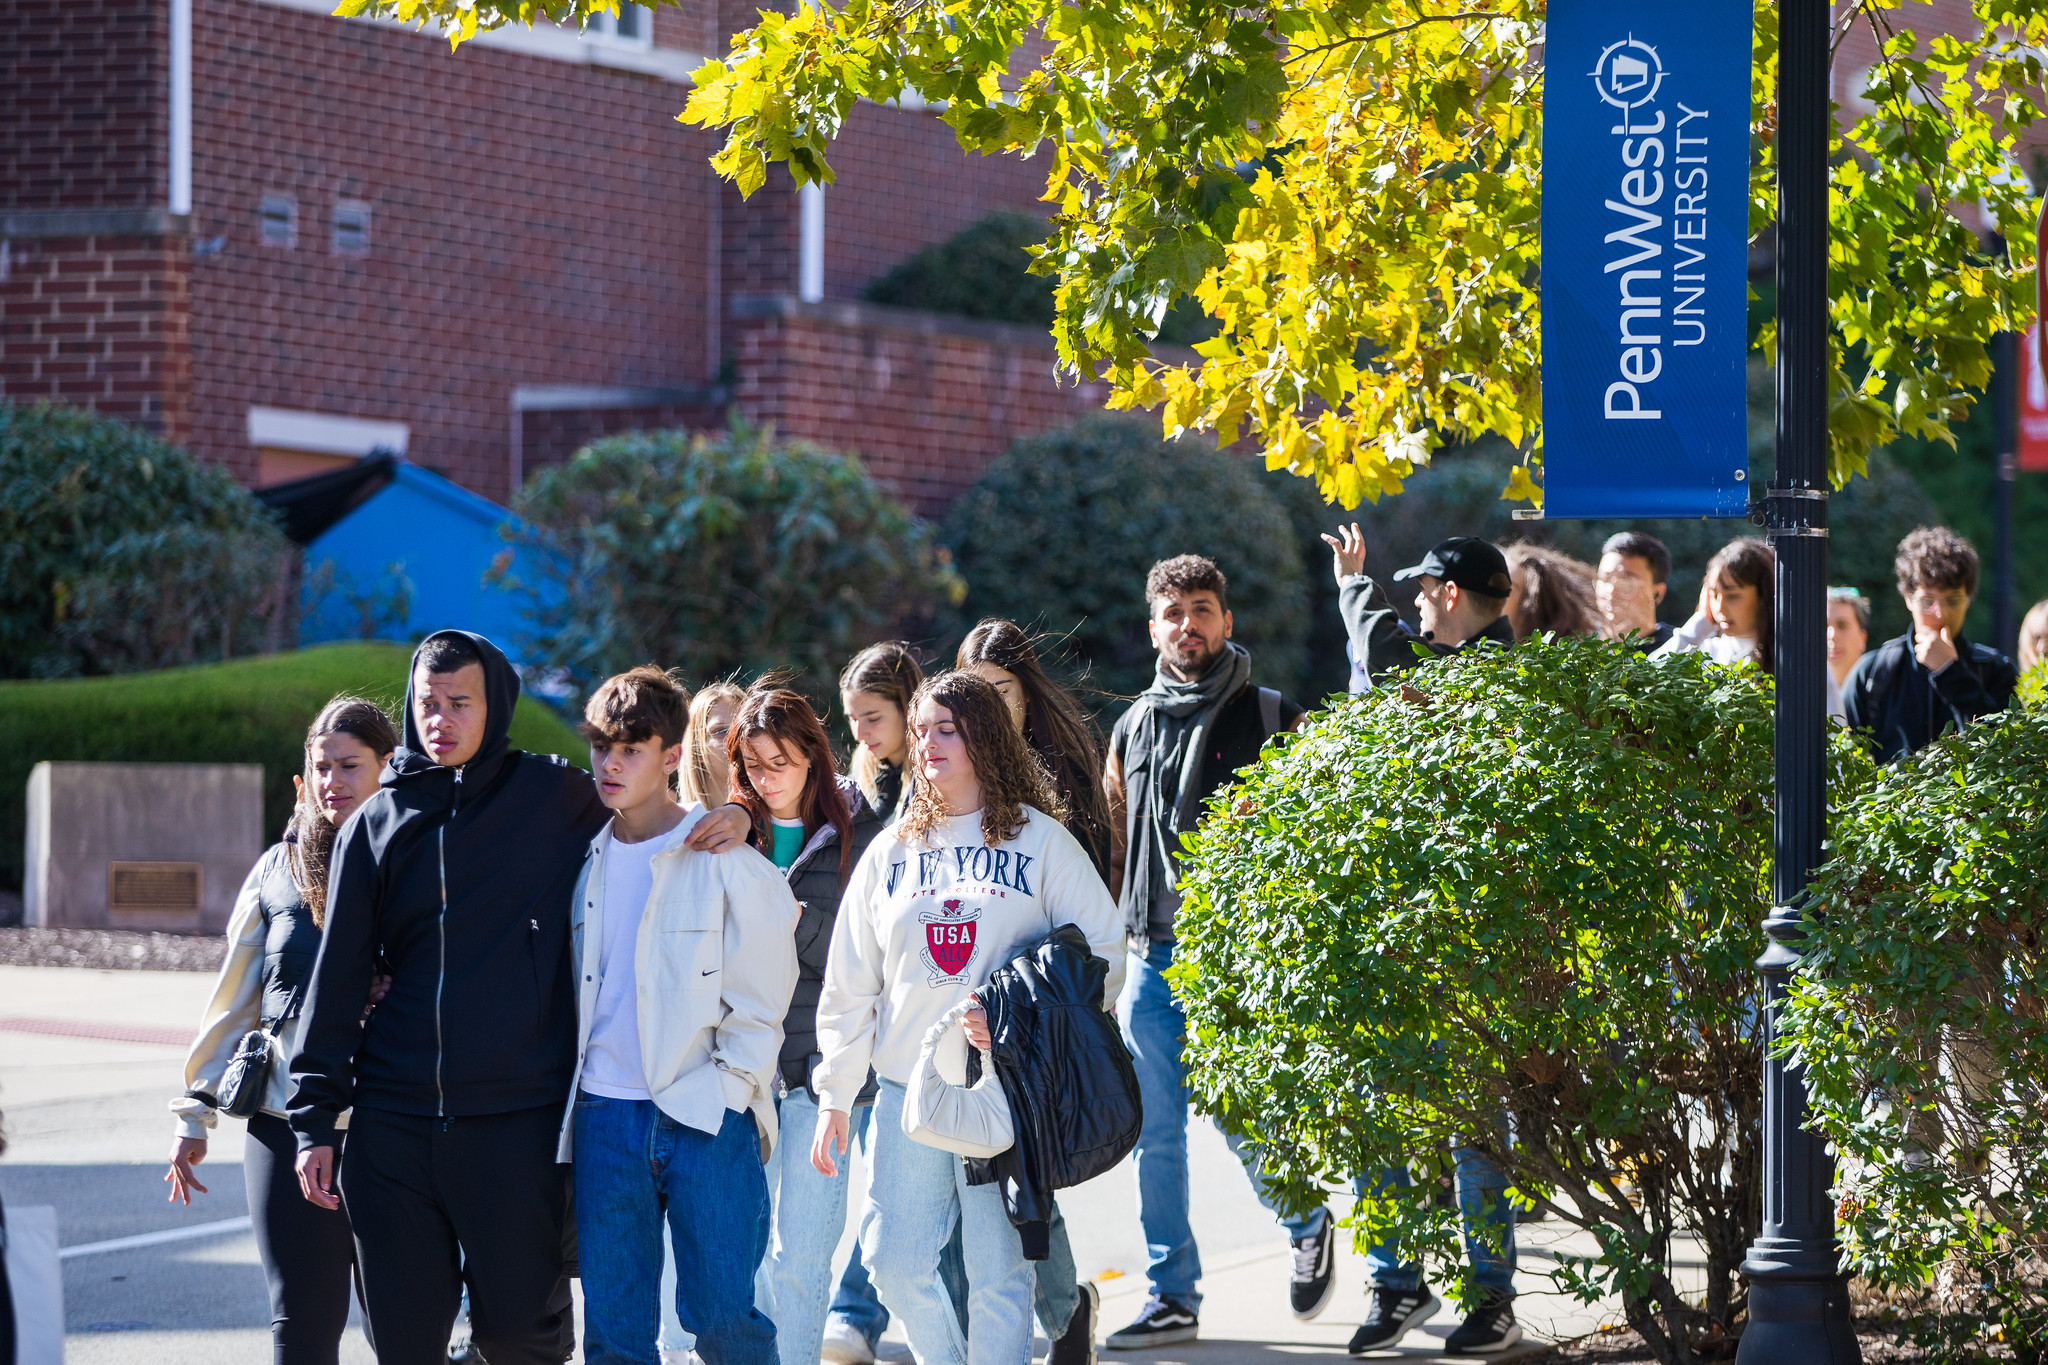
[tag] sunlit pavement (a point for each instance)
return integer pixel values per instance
(89, 1132)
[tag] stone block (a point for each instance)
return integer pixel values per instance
(140, 845)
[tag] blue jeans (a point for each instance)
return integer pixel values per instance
(810, 1213)
(1155, 1029)
(633, 1163)
(1488, 1217)
(916, 1196)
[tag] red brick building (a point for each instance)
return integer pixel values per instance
(286, 239)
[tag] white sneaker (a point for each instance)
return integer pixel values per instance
(845, 1344)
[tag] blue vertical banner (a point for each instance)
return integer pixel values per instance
(1645, 258)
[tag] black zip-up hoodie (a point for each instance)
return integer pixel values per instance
(461, 879)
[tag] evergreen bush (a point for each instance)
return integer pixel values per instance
(121, 553)
(718, 553)
(1521, 894)
(1060, 530)
(1920, 1012)
(245, 711)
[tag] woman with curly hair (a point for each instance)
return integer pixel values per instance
(979, 865)
(1551, 593)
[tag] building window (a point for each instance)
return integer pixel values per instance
(351, 228)
(633, 26)
(280, 217)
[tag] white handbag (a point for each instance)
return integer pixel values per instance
(941, 1110)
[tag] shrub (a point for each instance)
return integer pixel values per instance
(1920, 1012)
(247, 711)
(717, 553)
(119, 552)
(1528, 885)
(984, 271)
(1061, 529)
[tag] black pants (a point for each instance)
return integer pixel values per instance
(308, 1255)
(437, 1202)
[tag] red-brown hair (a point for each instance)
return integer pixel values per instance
(784, 718)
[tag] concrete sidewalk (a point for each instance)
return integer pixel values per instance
(90, 1133)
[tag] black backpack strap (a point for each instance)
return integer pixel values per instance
(1269, 712)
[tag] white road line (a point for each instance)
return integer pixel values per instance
(150, 1239)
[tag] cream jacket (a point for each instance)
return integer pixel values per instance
(714, 967)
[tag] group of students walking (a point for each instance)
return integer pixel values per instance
(521, 1021)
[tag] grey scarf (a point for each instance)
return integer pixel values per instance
(1167, 743)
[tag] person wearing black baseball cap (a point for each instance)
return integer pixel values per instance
(1462, 599)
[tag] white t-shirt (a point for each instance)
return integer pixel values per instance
(611, 1063)
(923, 925)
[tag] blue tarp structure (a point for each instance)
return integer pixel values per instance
(405, 556)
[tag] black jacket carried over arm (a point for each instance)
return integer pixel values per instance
(1064, 1068)
(1906, 708)
(461, 880)
(1382, 643)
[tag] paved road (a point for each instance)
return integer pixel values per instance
(89, 1132)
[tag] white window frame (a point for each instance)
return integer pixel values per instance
(288, 207)
(602, 27)
(350, 208)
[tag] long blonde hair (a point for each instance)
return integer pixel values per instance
(889, 670)
(705, 775)
(1007, 768)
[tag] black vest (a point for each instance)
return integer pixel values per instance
(291, 940)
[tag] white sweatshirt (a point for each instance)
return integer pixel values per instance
(923, 925)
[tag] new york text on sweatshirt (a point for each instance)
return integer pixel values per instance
(924, 923)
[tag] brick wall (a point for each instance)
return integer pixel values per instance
(904, 183)
(83, 103)
(99, 322)
(533, 222)
(926, 401)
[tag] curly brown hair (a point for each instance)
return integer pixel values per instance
(1007, 768)
(1937, 558)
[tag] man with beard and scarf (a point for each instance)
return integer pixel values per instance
(1187, 734)
(456, 877)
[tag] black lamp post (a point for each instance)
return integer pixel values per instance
(1798, 1299)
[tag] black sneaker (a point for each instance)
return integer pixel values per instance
(1164, 1322)
(1314, 1277)
(1076, 1345)
(1395, 1313)
(1488, 1328)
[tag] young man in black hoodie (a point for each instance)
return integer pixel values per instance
(457, 875)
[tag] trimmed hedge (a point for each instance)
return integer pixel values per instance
(245, 711)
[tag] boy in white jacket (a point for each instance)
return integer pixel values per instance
(684, 966)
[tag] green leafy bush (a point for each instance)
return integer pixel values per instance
(718, 553)
(984, 271)
(245, 711)
(1920, 1012)
(1528, 885)
(119, 552)
(1061, 529)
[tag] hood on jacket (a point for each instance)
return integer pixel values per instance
(411, 762)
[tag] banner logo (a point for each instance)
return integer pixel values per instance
(1628, 73)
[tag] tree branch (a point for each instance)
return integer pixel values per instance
(1397, 29)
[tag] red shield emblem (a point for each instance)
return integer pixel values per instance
(949, 938)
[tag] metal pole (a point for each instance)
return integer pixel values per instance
(1798, 1299)
(2005, 395)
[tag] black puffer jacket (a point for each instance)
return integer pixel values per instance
(815, 881)
(462, 879)
(1066, 1073)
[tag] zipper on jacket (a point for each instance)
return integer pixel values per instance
(441, 926)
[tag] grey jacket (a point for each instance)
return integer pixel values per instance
(1382, 643)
